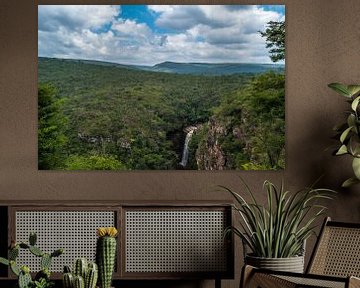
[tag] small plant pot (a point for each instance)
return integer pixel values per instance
(291, 264)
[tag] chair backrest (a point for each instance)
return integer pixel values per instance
(337, 251)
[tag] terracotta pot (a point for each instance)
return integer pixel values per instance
(291, 264)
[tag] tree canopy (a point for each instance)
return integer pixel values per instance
(110, 118)
(275, 40)
(51, 127)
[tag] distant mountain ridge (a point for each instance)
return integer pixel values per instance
(215, 68)
(194, 68)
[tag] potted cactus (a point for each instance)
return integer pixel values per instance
(84, 275)
(42, 278)
(106, 254)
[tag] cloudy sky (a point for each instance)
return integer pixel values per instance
(151, 34)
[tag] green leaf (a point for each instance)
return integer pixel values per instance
(342, 150)
(349, 182)
(356, 167)
(354, 145)
(341, 89)
(355, 103)
(345, 134)
(353, 89)
(351, 120)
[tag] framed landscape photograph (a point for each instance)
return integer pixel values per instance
(161, 87)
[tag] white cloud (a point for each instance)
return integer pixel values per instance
(52, 17)
(131, 29)
(193, 33)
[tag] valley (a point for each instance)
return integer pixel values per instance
(124, 117)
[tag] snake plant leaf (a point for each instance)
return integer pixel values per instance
(345, 134)
(349, 182)
(353, 89)
(356, 167)
(279, 228)
(341, 89)
(342, 150)
(355, 103)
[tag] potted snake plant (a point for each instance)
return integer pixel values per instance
(274, 234)
(349, 132)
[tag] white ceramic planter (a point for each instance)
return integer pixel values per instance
(291, 264)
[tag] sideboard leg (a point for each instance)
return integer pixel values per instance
(217, 283)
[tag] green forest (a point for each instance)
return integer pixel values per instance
(103, 117)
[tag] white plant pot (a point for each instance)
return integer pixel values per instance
(291, 264)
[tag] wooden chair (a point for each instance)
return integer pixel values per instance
(335, 262)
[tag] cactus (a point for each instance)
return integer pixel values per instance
(23, 273)
(80, 268)
(36, 251)
(32, 238)
(24, 280)
(79, 282)
(87, 272)
(91, 276)
(105, 255)
(68, 280)
(4, 261)
(45, 261)
(57, 252)
(14, 268)
(13, 253)
(24, 246)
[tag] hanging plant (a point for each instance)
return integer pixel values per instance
(349, 132)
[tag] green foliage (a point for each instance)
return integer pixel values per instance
(252, 166)
(93, 162)
(43, 283)
(42, 278)
(279, 229)
(275, 40)
(130, 115)
(112, 118)
(51, 138)
(349, 132)
(255, 120)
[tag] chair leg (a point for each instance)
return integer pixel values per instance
(246, 274)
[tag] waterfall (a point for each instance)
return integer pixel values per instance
(185, 155)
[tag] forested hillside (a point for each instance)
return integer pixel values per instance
(105, 117)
